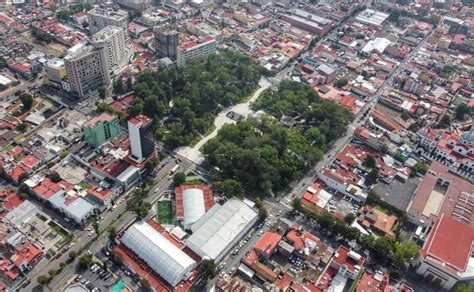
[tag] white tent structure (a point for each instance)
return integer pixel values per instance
(221, 228)
(193, 206)
(159, 253)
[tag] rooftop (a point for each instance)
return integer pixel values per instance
(442, 192)
(103, 117)
(268, 242)
(441, 249)
(141, 120)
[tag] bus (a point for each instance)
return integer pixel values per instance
(174, 169)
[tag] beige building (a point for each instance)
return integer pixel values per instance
(195, 48)
(56, 72)
(100, 18)
(116, 46)
(87, 69)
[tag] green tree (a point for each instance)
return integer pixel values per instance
(370, 162)
(229, 187)
(372, 176)
(102, 92)
(42, 280)
(21, 127)
(420, 167)
(112, 233)
(340, 83)
(262, 213)
(85, 261)
(72, 255)
(53, 7)
(26, 101)
(179, 178)
(22, 177)
(118, 86)
(52, 273)
(145, 285)
(349, 218)
(208, 269)
(461, 111)
(444, 123)
(296, 204)
(464, 288)
(55, 177)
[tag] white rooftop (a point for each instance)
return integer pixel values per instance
(161, 255)
(193, 206)
(219, 229)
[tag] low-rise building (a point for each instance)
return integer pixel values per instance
(446, 257)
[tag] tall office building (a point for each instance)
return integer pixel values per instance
(117, 47)
(100, 18)
(87, 69)
(101, 129)
(195, 48)
(141, 140)
(166, 42)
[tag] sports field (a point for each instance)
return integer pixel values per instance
(163, 212)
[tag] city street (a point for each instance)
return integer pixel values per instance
(299, 187)
(119, 217)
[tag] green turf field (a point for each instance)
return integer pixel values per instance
(163, 212)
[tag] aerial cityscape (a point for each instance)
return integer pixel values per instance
(237, 145)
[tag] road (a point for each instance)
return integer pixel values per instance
(301, 186)
(119, 217)
(233, 262)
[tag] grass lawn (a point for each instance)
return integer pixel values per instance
(163, 212)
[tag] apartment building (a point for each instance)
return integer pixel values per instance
(100, 18)
(166, 42)
(87, 69)
(117, 47)
(195, 48)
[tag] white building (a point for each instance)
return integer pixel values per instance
(138, 129)
(372, 17)
(87, 69)
(221, 228)
(165, 258)
(446, 257)
(100, 18)
(116, 45)
(195, 48)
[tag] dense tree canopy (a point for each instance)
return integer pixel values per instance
(319, 120)
(262, 155)
(184, 102)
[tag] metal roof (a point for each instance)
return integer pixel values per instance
(193, 205)
(159, 253)
(220, 228)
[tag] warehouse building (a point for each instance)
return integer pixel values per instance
(215, 233)
(165, 258)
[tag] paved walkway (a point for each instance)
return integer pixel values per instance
(193, 153)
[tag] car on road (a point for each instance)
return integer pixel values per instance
(260, 232)
(221, 274)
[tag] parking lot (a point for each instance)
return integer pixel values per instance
(96, 279)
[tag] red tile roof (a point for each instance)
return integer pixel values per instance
(343, 257)
(208, 197)
(268, 243)
(457, 202)
(140, 119)
(449, 244)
